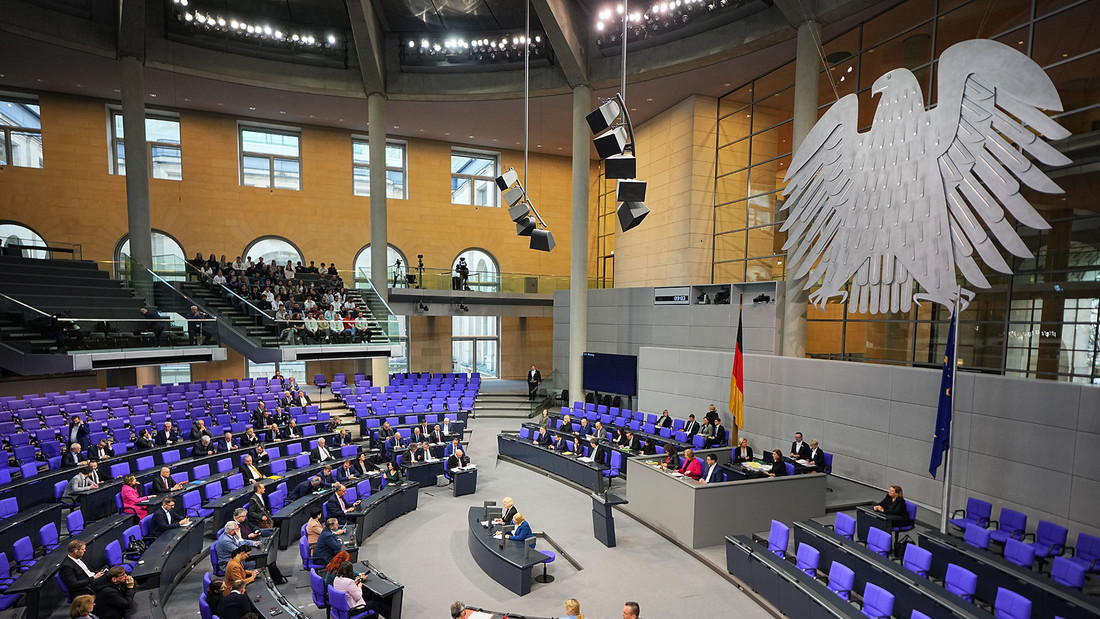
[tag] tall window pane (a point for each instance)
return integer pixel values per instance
(395, 168)
(162, 137)
(20, 134)
(472, 178)
(270, 158)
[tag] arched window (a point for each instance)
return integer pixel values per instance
(362, 265)
(168, 255)
(273, 249)
(15, 235)
(484, 270)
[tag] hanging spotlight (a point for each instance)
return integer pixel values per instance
(522, 212)
(543, 240)
(631, 214)
(614, 142)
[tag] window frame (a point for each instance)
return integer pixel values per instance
(8, 156)
(404, 169)
(114, 141)
(481, 154)
(284, 130)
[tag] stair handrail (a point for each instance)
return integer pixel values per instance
(167, 283)
(190, 268)
(30, 307)
(370, 286)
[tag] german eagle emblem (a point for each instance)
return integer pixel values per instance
(923, 192)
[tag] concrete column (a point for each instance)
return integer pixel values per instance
(376, 110)
(379, 367)
(578, 250)
(137, 174)
(807, 68)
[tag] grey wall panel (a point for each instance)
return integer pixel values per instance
(1084, 503)
(914, 388)
(1086, 455)
(1019, 482)
(1025, 399)
(1089, 410)
(912, 420)
(870, 380)
(1005, 438)
(857, 410)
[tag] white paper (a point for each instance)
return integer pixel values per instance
(479, 615)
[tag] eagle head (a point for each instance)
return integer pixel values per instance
(897, 79)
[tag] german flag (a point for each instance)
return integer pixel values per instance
(737, 380)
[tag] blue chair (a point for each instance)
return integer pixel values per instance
(23, 553)
(1011, 605)
(214, 567)
(318, 590)
(1049, 539)
(64, 589)
(1019, 553)
(1066, 572)
(616, 465)
(207, 578)
(897, 529)
(917, 560)
(1087, 552)
(204, 607)
(977, 537)
(960, 581)
(338, 606)
(789, 467)
(845, 525)
(877, 602)
(113, 554)
(977, 512)
(308, 562)
(1011, 525)
(47, 536)
(779, 536)
(74, 522)
(841, 579)
(879, 541)
(807, 558)
(544, 577)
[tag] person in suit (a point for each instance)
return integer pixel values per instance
(249, 439)
(199, 430)
(303, 399)
(385, 432)
(101, 451)
(893, 507)
(282, 416)
(817, 457)
(74, 456)
(522, 530)
(742, 453)
(341, 439)
(596, 451)
(392, 474)
(227, 543)
(557, 443)
(362, 466)
(80, 482)
(436, 435)
(235, 569)
(144, 440)
(633, 443)
(163, 483)
(417, 436)
(327, 543)
(77, 432)
(691, 427)
(203, 448)
(779, 466)
(534, 379)
(719, 435)
(165, 518)
(226, 443)
(672, 462)
(259, 516)
(664, 421)
(451, 447)
(711, 474)
(168, 435)
(248, 470)
(799, 450)
(509, 511)
(690, 467)
(262, 457)
(457, 460)
(261, 417)
(396, 446)
(237, 604)
(707, 431)
(448, 430)
(130, 496)
(345, 472)
(320, 453)
(114, 594)
(76, 575)
(287, 400)
(600, 432)
(305, 488)
(244, 532)
(337, 505)
(585, 429)
(292, 430)
(328, 480)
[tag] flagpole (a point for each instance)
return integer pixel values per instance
(944, 513)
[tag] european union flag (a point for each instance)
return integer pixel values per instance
(941, 440)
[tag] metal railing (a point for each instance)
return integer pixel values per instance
(428, 278)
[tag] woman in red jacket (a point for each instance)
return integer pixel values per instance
(691, 467)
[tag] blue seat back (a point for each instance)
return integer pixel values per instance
(1050, 538)
(1019, 553)
(807, 559)
(960, 581)
(845, 525)
(1011, 605)
(841, 579)
(977, 536)
(877, 602)
(879, 541)
(917, 560)
(778, 538)
(1068, 572)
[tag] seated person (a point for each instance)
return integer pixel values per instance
(259, 516)
(522, 530)
(558, 444)
(328, 479)
(337, 506)
(307, 487)
(664, 421)
(509, 511)
(392, 474)
(893, 507)
(321, 453)
(76, 575)
(597, 452)
(672, 462)
(163, 483)
(261, 457)
(249, 439)
(633, 443)
(236, 568)
(350, 584)
(346, 473)
(543, 438)
(248, 470)
(817, 457)
(314, 527)
(779, 466)
(199, 430)
(114, 594)
(719, 435)
(691, 427)
(742, 453)
(327, 543)
(690, 466)
(165, 518)
(237, 605)
(712, 474)
(203, 448)
(457, 460)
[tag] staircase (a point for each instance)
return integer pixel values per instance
(503, 405)
(229, 312)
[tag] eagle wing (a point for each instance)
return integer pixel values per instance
(988, 111)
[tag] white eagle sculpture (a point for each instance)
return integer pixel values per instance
(923, 191)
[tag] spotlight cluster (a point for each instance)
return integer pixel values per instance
(657, 18)
(610, 123)
(499, 47)
(251, 29)
(521, 210)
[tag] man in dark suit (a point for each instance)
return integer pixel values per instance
(249, 439)
(261, 417)
(710, 472)
(558, 443)
(341, 439)
(291, 430)
(417, 436)
(436, 435)
(543, 438)
(165, 518)
(308, 486)
(534, 378)
(101, 451)
(328, 479)
(585, 429)
(74, 457)
(327, 543)
(163, 483)
(114, 594)
(817, 457)
(249, 470)
(344, 473)
(599, 432)
(664, 421)
(799, 450)
(259, 516)
(199, 430)
(74, 573)
(633, 443)
(395, 446)
(226, 444)
(236, 604)
(386, 432)
(457, 460)
(288, 400)
(262, 457)
(597, 452)
(168, 435)
(320, 453)
(78, 432)
(719, 437)
(691, 428)
(337, 506)
(203, 448)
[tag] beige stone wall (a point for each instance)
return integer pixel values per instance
(676, 158)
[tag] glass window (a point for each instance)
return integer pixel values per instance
(395, 168)
(295, 369)
(399, 363)
(473, 176)
(273, 249)
(394, 272)
(475, 345)
(13, 234)
(20, 133)
(270, 158)
(175, 374)
(483, 273)
(162, 135)
(168, 255)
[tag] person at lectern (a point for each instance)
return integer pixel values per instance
(543, 437)
(522, 531)
(893, 506)
(779, 467)
(509, 511)
(742, 453)
(690, 466)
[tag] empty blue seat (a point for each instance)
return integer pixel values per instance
(877, 602)
(977, 536)
(1011, 605)
(845, 525)
(1050, 539)
(879, 541)
(977, 512)
(917, 560)
(1019, 553)
(841, 579)
(1011, 525)
(779, 536)
(960, 581)
(807, 559)
(1066, 572)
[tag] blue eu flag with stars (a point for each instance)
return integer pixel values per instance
(941, 438)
